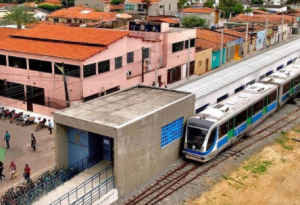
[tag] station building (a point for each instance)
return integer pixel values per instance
(139, 129)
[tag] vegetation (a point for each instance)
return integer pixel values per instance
(283, 141)
(257, 1)
(181, 4)
(116, 2)
(230, 7)
(67, 3)
(209, 3)
(258, 167)
(5, 1)
(194, 21)
(289, 7)
(49, 7)
(247, 10)
(263, 9)
(19, 16)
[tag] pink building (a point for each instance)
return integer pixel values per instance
(96, 62)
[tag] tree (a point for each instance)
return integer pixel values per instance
(238, 9)
(116, 2)
(68, 3)
(258, 2)
(194, 21)
(49, 7)
(209, 3)
(289, 7)
(181, 4)
(230, 7)
(18, 15)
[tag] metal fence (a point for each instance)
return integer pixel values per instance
(51, 183)
(96, 192)
(102, 177)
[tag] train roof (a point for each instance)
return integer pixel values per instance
(284, 75)
(235, 102)
(205, 84)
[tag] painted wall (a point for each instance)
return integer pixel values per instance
(200, 61)
(261, 35)
(210, 18)
(215, 62)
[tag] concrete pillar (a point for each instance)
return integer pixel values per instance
(61, 145)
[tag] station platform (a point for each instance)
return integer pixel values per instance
(74, 183)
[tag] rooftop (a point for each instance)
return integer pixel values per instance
(88, 36)
(236, 33)
(123, 107)
(117, 7)
(256, 11)
(204, 44)
(142, 1)
(169, 20)
(275, 19)
(52, 2)
(5, 32)
(214, 36)
(197, 10)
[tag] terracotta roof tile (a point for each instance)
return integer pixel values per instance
(73, 35)
(275, 19)
(144, 1)
(117, 7)
(62, 50)
(169, 20)
(197, 10)
(213, 36)
(5, 32)
(260, 12)
(235, 33)
(52, 2)
(204, 44)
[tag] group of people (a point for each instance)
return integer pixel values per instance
(7, 139)
(13, 168)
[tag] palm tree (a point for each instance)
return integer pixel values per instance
(18, 15)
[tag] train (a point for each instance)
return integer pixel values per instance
(216, 127)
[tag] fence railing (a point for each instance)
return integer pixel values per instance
(96, 192)
(82, 189)
(51, 183)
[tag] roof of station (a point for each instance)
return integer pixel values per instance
(120, 108)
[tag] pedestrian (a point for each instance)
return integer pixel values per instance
(26, 173)
(33, 141)
(1, 170)
(13, 169)
(50, 126)
(7, 138)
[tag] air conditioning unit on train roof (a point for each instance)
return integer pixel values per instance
(283, 74)
(256, 88)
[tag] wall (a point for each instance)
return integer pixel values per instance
(215, 62)
(91, 4)
(169, 8)
(208, 17)
(138, 152)
(78, 145)
(260, 39)
(201, 56)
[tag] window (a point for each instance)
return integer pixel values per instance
(169, 6)
(251, 82)
(192, 41)
(269, 73)
(3, 60)
(174, 75)
(262, 76)
(70, 70)
(199, 63)
(202, 108)
(129, 7)
(257, 107)
(211, 139)
(118, 62)
(12, 90)
(279, 67)
(17, 62)
(239, 89)
(130, 57)
(223, 130)
(230, 124)
(286, 87)
(297, 80)
(289, 62)
(177, 47)
(161, 6)
(89, 70)
(222, 98)
(146, 53)
(240, 118)
(56, 20)
(272, 97)
(41, 66)
(171, 132)
(103, 66)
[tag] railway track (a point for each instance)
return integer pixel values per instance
(187, 172)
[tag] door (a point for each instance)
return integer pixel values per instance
(206, 65)
(265, 105)
(159, 81)
(230, 128)
(192, 68)
(292, 86)
(249, 114)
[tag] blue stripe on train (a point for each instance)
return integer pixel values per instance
(257, 116)
(223, 141)
(296, 88)
(240, 129)
(272, 106)
(283, 98)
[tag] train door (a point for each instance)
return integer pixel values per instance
(265, 105)
(292, 86)
(250, 113)
(230, 128)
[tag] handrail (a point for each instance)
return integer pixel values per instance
(84, 184)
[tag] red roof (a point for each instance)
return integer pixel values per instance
(169, 20)
(144, 1)
(261, 12)
(204, 44)
(62, 50)
(5, 32)
(92, 36)
(235, 33)
(213, 36)
(204, 10)
(117, 7)
(274, 19)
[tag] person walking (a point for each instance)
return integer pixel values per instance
(50, 126)
(26, 173)
(7, 138)
(33, 141)
(13, 169)
(1, 170)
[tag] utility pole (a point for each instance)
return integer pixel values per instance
(221, 56)
(188, 65)
(266, 33)
(66, 85)
(282, 27)
(247, 47)
(143, 59)
(252, 31)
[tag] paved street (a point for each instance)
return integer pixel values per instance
(21, 152)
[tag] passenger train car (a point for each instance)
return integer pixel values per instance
(216, 127)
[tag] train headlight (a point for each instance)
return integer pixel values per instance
(193, 147)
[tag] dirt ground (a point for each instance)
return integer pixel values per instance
(21, 152)
(270, 177)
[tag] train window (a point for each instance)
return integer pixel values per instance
(211, 139)
(257, 107)
(289, 62)
(297, 80)
(286, 87)
(262, 76)
(230, 124)
(202, 108)
(269, 73)
(239, 89)
(240, 118)
(279, 67)
(223, 130)
(251, 82)
(271, 97)
(222, 98)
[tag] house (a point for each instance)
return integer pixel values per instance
(228, 41)
(173, 22)
(40, 14)
(276, 8)
(210, 15)
(52, 2)
(251, 38)
(96, 61)
(142, 8)
(101, 5)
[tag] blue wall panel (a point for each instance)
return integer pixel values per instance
(257, 116)
(285, 97)
(240, 129)
(272, 106)
(171, 132)
(223, 141)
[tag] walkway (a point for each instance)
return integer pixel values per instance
(73, 183)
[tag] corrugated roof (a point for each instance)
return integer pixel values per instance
(61, 50)
(73, 35)
(197, 10)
